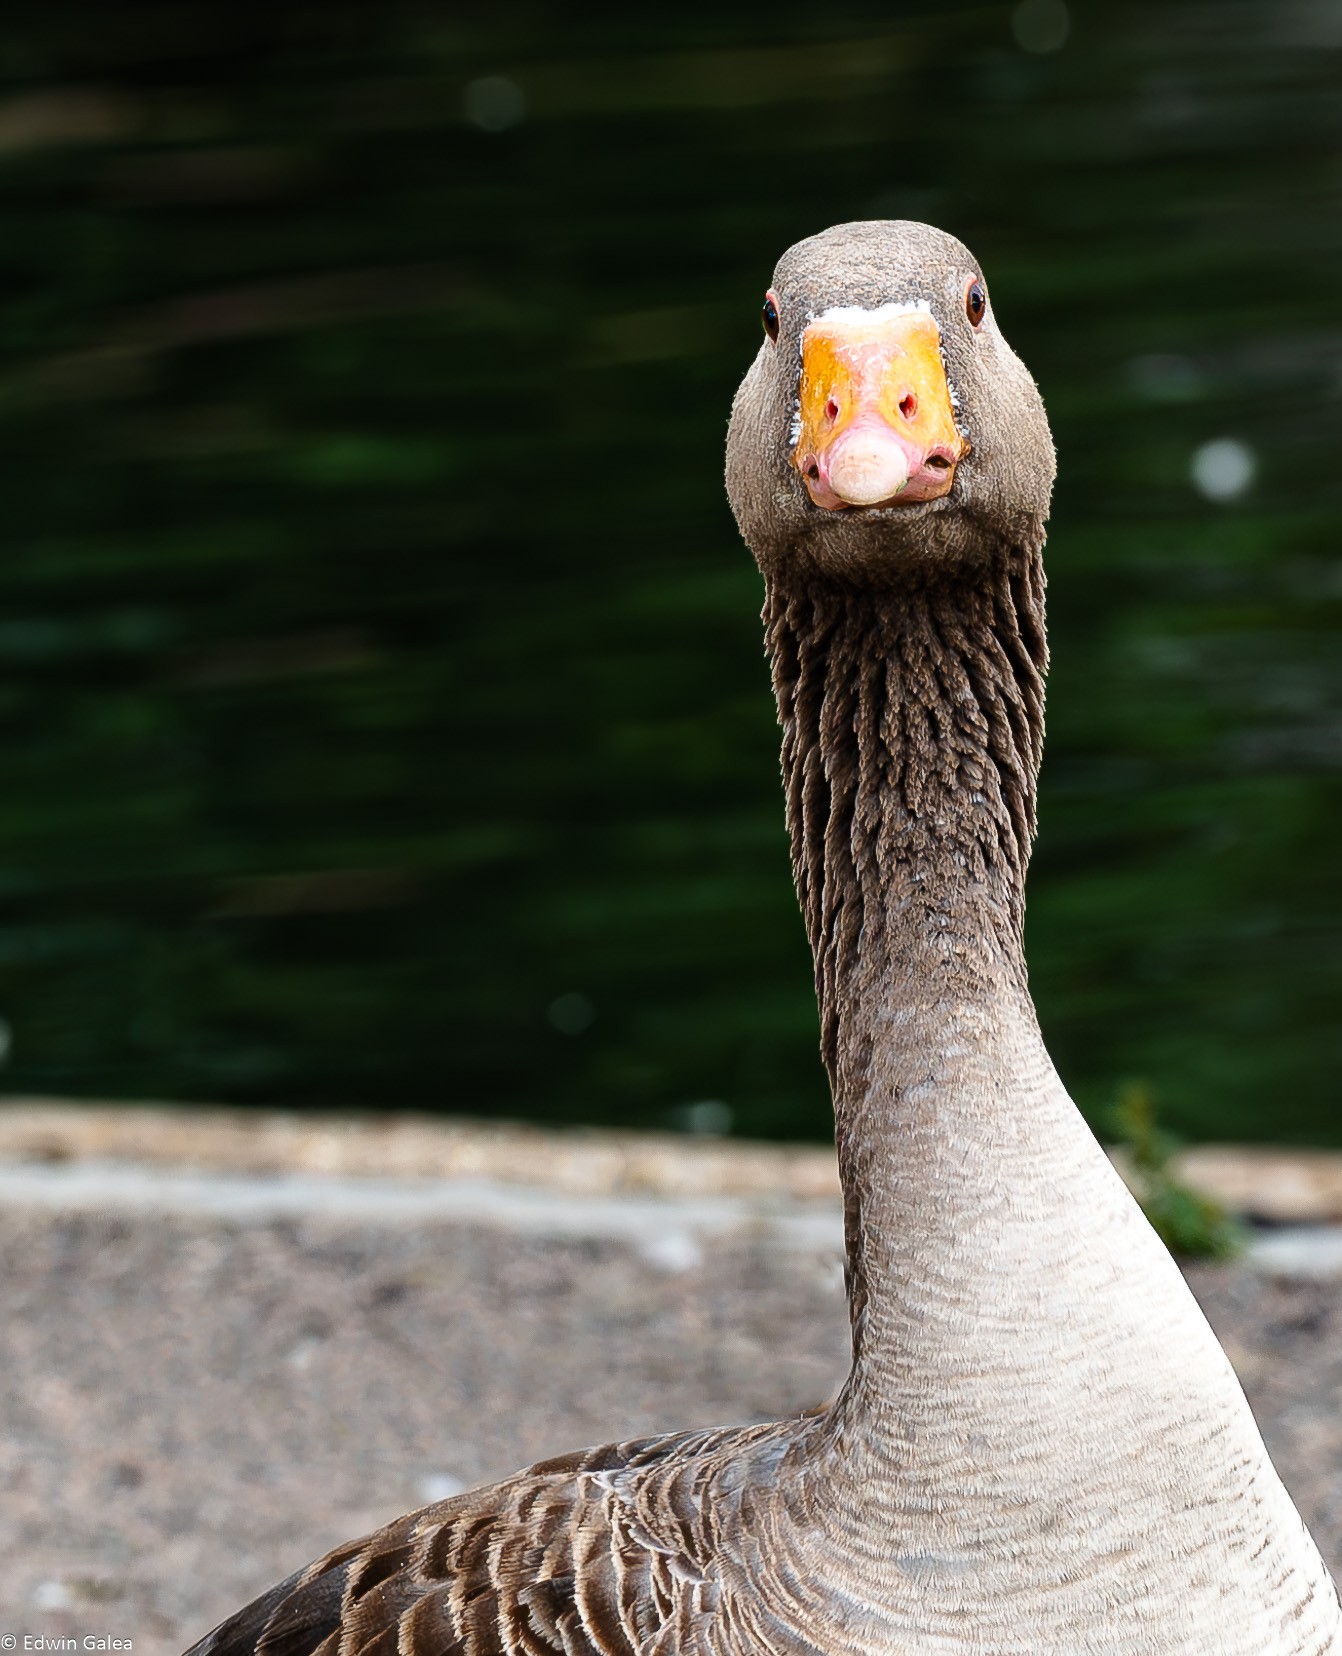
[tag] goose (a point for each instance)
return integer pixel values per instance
(1040, 1446)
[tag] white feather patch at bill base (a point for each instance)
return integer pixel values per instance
(881, 313)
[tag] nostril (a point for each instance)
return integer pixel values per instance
(813, 472)
(938, 462)
(908, 406)
(831, 410)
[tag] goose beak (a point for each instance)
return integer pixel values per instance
(876, 421)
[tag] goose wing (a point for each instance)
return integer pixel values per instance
(624, 1550)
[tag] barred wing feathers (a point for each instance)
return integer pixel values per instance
(634, 1549)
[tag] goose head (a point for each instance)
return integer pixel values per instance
(885, 426)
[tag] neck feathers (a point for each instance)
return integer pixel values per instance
(912, 729)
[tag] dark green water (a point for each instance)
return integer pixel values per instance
(383, 717)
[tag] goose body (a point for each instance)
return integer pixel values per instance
(1040, 1446)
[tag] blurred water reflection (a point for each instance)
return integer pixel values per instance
(382, 705)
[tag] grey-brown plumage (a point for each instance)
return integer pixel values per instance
(629, 1548)
(1039, 1447)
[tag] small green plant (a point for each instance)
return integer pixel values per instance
(1190, 1225)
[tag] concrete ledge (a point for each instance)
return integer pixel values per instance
(1300, 1253)
(669, 1231)
(1260, 1181)
(577, 1161)
(1276, 1186)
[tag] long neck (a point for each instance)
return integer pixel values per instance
(912, 728)
(1038, 1420)
(912, 731)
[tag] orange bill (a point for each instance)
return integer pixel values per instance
(876, 425)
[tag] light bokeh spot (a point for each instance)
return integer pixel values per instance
(494, 103)
(1223, 469)
(1040, 25)
(571, 1014)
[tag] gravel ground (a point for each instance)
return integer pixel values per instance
(189, 1408)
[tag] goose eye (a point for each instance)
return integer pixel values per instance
(770, 316)
(976, 301)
